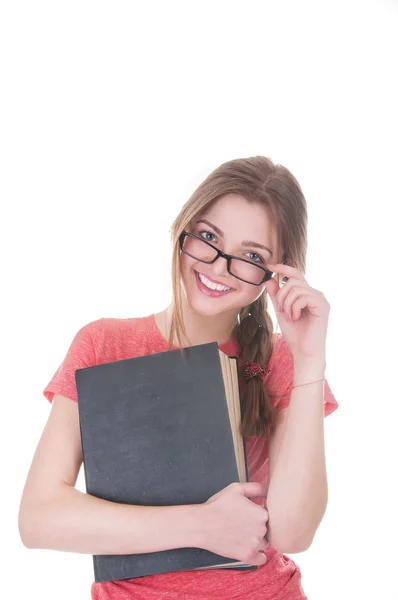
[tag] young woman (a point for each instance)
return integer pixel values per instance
(241, 234)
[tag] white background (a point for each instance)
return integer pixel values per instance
(111, 114)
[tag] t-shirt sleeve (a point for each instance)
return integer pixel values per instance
(281, 379)
(81, 354)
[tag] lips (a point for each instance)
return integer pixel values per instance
(214, 280)
(208, 291)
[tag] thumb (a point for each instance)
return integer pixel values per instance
(258, 558)
(253, 489)
(272, 288)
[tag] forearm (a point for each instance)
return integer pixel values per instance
(77, 522)
(297, 492)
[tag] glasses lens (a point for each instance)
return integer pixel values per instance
(199, 249)
(247, 271)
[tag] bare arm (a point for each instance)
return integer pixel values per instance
(73, 521)
(55, 515)
(297, 492)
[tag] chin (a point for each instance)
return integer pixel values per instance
(207, 305)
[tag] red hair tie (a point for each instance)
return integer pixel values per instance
(253, 369)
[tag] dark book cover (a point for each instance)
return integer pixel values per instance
(156, 431)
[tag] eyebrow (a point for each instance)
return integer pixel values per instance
(244, 243)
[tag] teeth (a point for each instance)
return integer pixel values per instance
(211, 285)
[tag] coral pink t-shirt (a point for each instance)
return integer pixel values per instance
(111, 339)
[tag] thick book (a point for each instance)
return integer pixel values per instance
(162, 430)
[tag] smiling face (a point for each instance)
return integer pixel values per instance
(239, 220)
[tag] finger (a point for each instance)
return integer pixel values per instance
(285, 270)
(288, 294)
(295, 293)
(299, 304)
(264, 544)
(274, 291)
(272, 288)
(257, 558)
(253, 489)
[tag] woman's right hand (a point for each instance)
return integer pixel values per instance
(234, 526)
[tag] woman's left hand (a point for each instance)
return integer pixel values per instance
(302, 312)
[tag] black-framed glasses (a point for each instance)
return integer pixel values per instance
(240, 268)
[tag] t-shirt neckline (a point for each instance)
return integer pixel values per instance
(228, 345)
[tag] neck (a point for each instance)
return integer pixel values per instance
(203, 329)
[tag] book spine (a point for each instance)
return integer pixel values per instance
(240, 398)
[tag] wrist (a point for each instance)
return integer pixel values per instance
(309, 369)
(196, 527)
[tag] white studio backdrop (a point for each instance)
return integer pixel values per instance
(112, 114)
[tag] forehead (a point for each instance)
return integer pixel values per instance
(240, 219)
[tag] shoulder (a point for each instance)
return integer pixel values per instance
(113, 326)
(97, 342)
(115, 338)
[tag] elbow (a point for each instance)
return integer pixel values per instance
(291, 546)
(26, 528)
(294, 544)
(26, 542)
(24, 536)
(294, 539)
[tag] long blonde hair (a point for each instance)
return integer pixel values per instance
(259, 180)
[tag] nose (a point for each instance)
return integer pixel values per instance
(220, 268)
